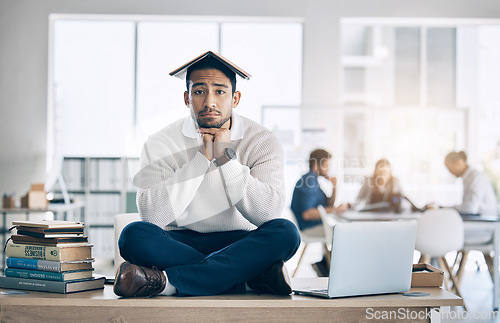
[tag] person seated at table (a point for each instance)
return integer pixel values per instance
(307, 195)
(382, 186)
(478, 195)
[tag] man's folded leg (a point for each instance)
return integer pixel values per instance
(258, 256)
(274, 280)
(148, 250)
(147, 247)
(145, 244)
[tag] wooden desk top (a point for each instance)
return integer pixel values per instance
(106, 298)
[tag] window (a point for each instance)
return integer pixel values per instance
(414, 90)
(94, 85)
(391, 65)
(272, 53)
(111, 87)
(162, 47)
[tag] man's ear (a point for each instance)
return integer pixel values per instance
(236, 99)
(186, 98)
(315, 167)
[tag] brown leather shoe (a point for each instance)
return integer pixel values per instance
(274, 280)
(137, 281)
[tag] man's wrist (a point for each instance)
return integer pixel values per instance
(228, 155)
(204, 152)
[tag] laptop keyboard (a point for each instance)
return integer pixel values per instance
(319, 290)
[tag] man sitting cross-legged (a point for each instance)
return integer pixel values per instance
(210, 194)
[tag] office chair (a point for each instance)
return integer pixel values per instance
(306, 240)
(329, 221)
(440, 231)
(475, 240)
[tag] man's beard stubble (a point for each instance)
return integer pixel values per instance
(218, 125)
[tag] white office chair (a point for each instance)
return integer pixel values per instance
(121, 220)
(481, 241)
(439, 232)
(329, 221)
(306, 240)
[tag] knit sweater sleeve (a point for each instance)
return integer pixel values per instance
(166, 187)
(257, 190)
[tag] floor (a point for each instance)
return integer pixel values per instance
(476, 288)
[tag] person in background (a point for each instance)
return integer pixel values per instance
(478, 195)
(380, 187)
(307, 195)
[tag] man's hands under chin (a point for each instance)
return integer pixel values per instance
(332, 180)
(215, 141)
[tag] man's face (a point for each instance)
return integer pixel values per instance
(210, 98)
(457, 168)
(324, 167)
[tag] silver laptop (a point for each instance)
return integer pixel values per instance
(374, 207)
(368, 258)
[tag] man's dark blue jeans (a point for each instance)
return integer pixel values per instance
(209, 263)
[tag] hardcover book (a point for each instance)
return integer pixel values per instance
(49, 224)
(47, 275)
(31, 251)
(50, 230)
(181, 71)
(57, 242)
(46, 265)
(62, 287)
(37, 234)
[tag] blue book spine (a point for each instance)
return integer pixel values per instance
(33, 274)
(34, 264)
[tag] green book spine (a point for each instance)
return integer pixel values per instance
(33, 274)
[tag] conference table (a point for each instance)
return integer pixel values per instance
(471, 223)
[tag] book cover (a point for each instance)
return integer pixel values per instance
(46, 265)
(16, 250)
(47, 275)
(57, 241)
(50, 230)
(49, 224)
(63, 287)
(44, 235)
(181, 71)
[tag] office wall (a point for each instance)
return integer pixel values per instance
(24, 45)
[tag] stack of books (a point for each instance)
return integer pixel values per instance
(50, 256)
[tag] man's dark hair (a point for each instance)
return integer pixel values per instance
(212, 63)
(456, 155)
(317, 156)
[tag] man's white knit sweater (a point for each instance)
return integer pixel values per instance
(179, 188)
